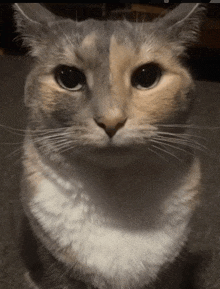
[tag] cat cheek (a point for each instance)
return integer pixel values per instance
(62, 117)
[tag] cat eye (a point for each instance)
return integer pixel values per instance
(70, 78)
(146, 76)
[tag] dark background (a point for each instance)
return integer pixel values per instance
(204, 57)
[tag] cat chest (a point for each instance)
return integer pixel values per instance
(75, 227)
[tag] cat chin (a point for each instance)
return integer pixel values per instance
(112, 160)
(118, 157)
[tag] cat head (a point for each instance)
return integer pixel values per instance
(107, 82)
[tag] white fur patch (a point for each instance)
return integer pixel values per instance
(118, 257)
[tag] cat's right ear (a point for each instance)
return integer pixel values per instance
(34, 13)
(33, 22)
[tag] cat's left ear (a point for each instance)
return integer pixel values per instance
(183, 23)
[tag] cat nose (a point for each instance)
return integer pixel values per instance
(111, 125)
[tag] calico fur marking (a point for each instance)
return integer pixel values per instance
(166, 98)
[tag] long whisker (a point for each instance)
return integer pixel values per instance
(186, 141)
(62, 143)
(193, 146)
(11, 128)
(55, 144)
(65, 147)
(13, 131)
(55, 132)
(172, 146)
(17, 151)
(184, 135)
(169, 153)
(177, 140)
(22, 132)
(39, 132)
(52, 137)
(159, 155)
(188, 126)
(45, 131)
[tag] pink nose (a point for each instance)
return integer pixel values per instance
(112, 125)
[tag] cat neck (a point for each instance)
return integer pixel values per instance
(128, 193)
(133, 189)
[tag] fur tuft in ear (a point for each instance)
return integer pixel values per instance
(33, 22)
(182, 24)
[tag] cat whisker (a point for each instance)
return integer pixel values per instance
(167, 152)
(189, 126)
(190, 145)
(184, 135)
(47, 131)
(56, 134)
(23, 132)
(56, 139)
(172, 146)
(13, 130)
(184, 141)
(175, 140)
(17, 151)
(61, 132)
(39, 132)
(159, 155)
(18, 161)
(56, 144)
(51, 137)
(65, 148)
(63, 142)
(70, 144)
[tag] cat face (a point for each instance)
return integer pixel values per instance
(102, 84)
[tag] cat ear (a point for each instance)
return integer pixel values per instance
(33, 22)
(34, 13)
(183, 23)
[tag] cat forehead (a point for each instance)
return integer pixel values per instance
(94, 40)
(109, 37)
(106, 29)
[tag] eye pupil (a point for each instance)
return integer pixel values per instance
(70, 78)
(146, 76)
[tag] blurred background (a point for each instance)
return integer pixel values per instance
(204, 56)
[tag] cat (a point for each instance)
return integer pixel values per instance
(110, 177)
